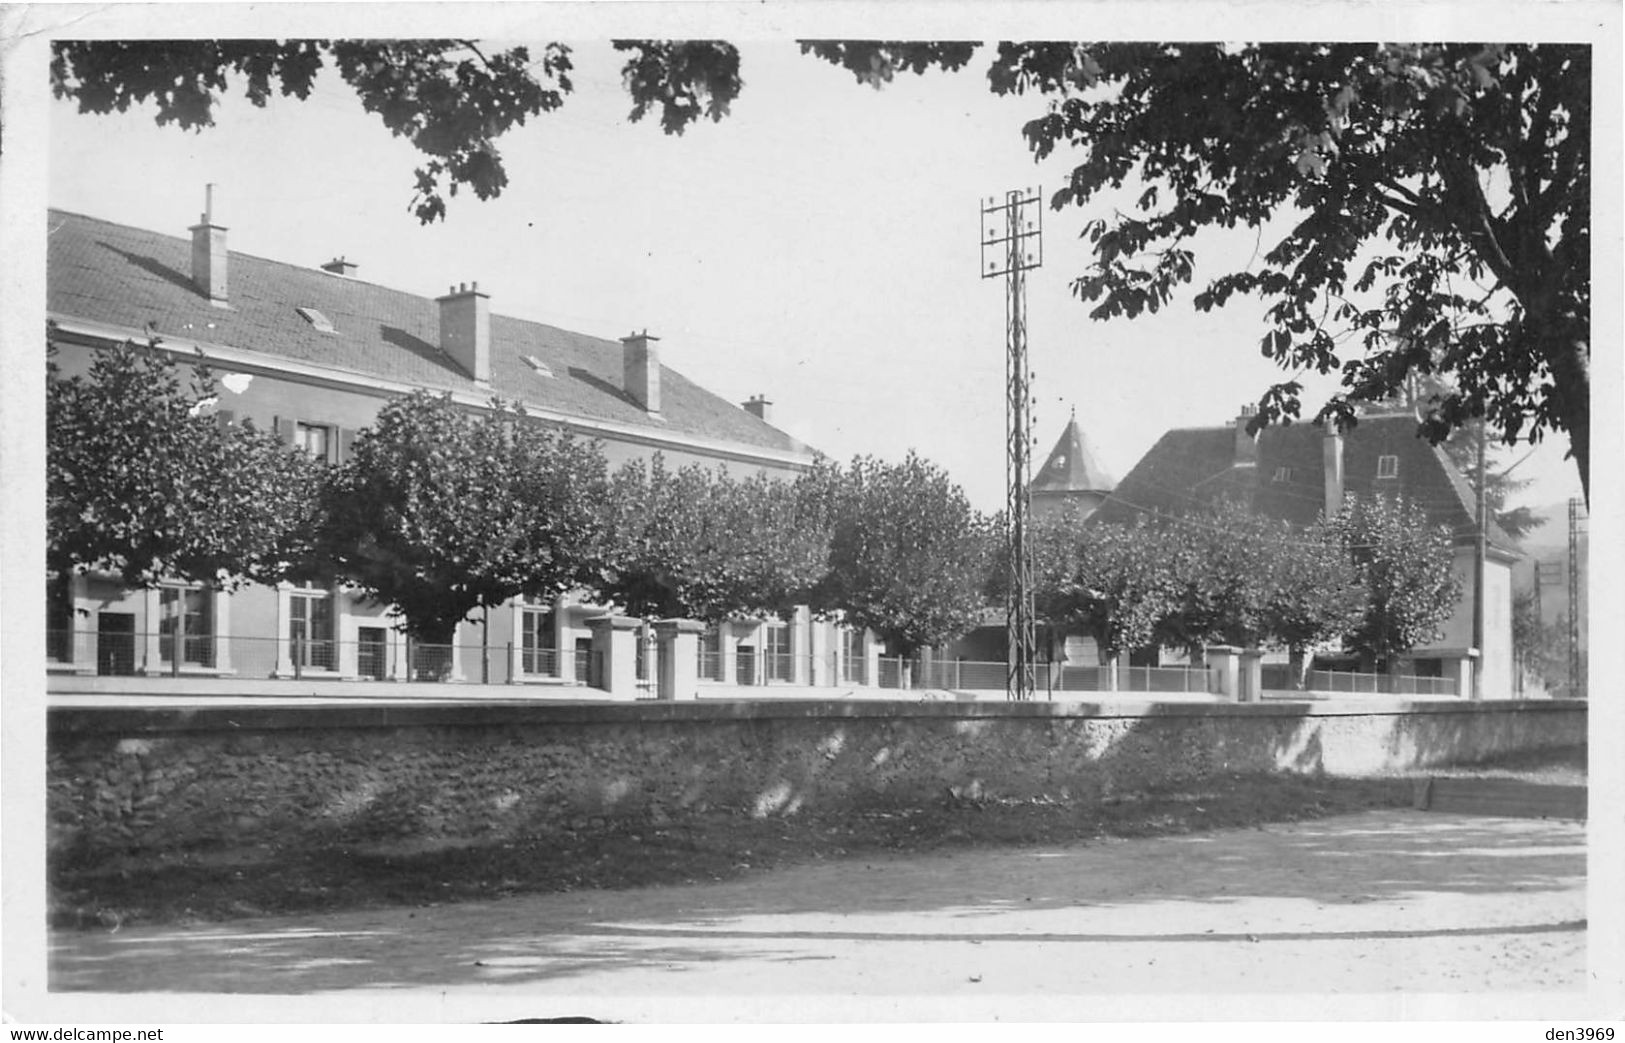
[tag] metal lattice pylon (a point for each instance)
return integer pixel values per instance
(1012, 244)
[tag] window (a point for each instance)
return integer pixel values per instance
(316, 319)
(538, 642)
(1283, 474)
(1387, 467)
(186, 614)
(710, 645)
(310, 629)
(780, 661)
(315, 439)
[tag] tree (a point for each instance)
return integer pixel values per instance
(1116, 587)
(1314, 593)
(907, 554)
(1404, 565)
(450, 98)
(440, 511)
(1221, 565)
(1439, 199)
(699, 544)
(142, 481)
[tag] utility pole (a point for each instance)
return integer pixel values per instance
(1010, 251)
(1480, 552)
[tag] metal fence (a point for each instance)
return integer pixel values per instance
(1051, 677)
(1349, 682)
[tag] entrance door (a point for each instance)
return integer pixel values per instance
(372, 653)
(115, 644)
(745, 665)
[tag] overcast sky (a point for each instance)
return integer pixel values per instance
(819, 246)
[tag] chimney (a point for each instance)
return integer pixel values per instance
(1246, 444)
(642, 368)
(1331, 455)
(209, 253)
(759, 407)
(465, 329)
(339, 266)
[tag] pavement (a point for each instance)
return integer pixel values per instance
(1400, 912)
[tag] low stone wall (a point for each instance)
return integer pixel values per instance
(158, 779)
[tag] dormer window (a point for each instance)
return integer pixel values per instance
(1387, 467)
(538, 365)
(316, 319)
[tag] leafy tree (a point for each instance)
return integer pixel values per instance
(450, 98)
(907, 554)
(1116, 587)
(1404, 565)
(1220, 565)
(1315, 597)
(440, 511)
(699, 544)
(1439, 199)
(142, 481)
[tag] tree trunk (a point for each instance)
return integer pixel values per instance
(1298, 667)
(1570, 364)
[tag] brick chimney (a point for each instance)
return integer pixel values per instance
(465, 329)
(759, 407)
(642, 370)
(1246, 444)
(209, 253)
(339, 266)
(1331, 456)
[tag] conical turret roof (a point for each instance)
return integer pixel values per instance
(1071, 466)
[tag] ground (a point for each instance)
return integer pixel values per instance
(1294, 888)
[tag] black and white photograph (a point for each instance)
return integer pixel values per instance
(732, 514)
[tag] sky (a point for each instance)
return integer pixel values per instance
(819, 246)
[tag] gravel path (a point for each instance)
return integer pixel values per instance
(1405, 903)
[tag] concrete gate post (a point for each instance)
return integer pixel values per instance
(614, 646)
(679, 644)
(1224, 671)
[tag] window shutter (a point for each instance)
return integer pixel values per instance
(284, 429)
(346, 436)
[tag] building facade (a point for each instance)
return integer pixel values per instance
(313, 353)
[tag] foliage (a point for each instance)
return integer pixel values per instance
(452, 99)
(1540, 649)
(907, 554)
(1221, 566)
(1315, 595)
(142, 481)
(1109, 581)
(699, 544)
(440, 511)
(1439, 199)
(1404, 564)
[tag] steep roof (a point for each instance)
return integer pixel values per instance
(128, 277)
(1071, 466)
(1188, 468)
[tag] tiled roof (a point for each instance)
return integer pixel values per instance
(108, 273)
(1188, 468)
(1071, 466)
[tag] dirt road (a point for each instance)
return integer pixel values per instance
(1413, 905)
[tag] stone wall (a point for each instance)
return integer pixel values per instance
(161, 779)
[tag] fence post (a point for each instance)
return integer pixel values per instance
(411, 672)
